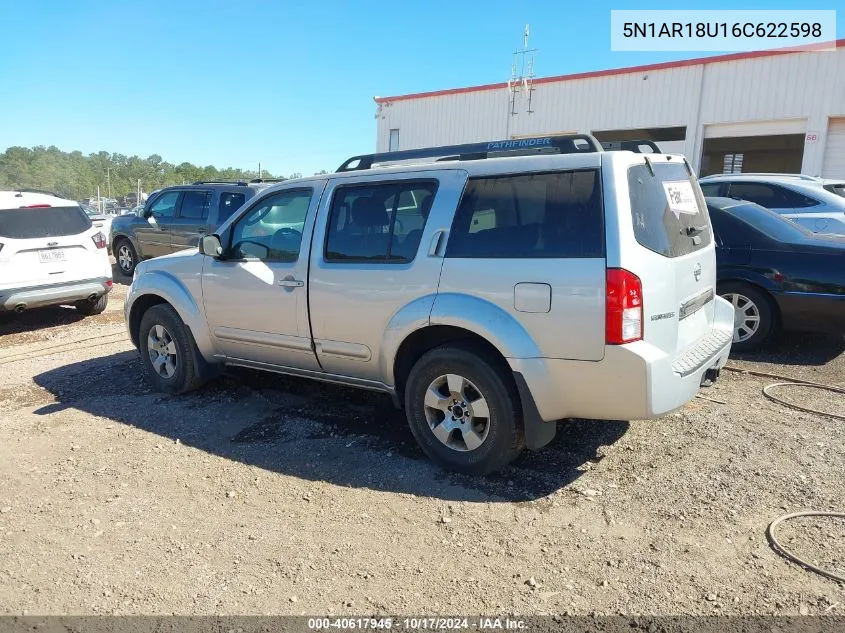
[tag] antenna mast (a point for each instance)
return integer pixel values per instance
(521, 82)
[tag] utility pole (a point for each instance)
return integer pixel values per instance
(108, 179)
(259, 170)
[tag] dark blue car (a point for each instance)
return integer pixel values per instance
(777, 275)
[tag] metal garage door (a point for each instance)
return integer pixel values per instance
(756, 128)
(834, 150)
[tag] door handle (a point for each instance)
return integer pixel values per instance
(436, 240)
(290, 282)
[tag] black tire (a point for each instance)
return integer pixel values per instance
(761, 303)
(503, 439)
(186, 376)
(126, 256)
(89, 309)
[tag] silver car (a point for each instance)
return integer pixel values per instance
(490, 294)
(817, 204)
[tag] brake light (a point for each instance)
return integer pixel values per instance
(36, 206)
(99, 239)
(109, 283)
(623, 307)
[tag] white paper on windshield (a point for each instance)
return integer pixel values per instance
(681, 197)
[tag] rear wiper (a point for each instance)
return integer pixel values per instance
(695, 230)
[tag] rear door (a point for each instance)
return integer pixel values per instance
(154, 233)
(665, 238)
(191, 220)
(532, 244)
(44, 246)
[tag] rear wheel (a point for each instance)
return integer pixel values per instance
(89, 309)
(167, 351)
(126, 256)
(463, 410)
(753, 315)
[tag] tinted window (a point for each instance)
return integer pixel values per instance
(165, 205)
(24, 224)
(229, 203)
(729, 231)
(796, 200)
(710, 189)
(667, 209)
(195, 204)
(770, 224)
(378, 223)
(272, 230)
(531, 215)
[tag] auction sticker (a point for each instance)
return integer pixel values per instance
(681, 197)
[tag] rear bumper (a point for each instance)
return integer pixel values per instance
(53, 294)
(633, 381)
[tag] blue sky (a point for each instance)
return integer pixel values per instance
(289, 84)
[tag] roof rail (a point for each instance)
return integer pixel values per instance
(31, 190)
(630, 146)
(240, 183)
(772, 173)
(259, 180)
(564, 144)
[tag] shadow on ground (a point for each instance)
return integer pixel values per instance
(38, 318)
(797, 348)
(314, 431)
(118, 277)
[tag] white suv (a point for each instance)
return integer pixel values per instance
(817, 204)
(50, 254)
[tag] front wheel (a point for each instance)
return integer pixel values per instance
(753, 315)
(167, 351)
(463, 410)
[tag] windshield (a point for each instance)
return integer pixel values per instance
(769, 223)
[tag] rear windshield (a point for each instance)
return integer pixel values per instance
(837, 188)
(668, 211)
(22, 224)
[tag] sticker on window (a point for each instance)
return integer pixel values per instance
(681, 197)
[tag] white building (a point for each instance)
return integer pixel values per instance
(768, 111)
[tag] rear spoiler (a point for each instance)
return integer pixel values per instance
(631, 146)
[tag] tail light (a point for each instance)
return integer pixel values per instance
(36, 206)
(624, 307)
(99, 240)
(109, 283)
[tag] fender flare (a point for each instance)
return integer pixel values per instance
(171, 290)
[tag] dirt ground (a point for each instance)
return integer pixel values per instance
(262, 494)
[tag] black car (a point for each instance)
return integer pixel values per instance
(776, 274)
(174, 218)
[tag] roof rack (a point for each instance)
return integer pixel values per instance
(630, 146)
(772, 173)
(564, 144)
(240, 183)
(259, 180)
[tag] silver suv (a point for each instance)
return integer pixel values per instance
(817, 204)
(491, 292)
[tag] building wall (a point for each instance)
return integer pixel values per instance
(807, 86)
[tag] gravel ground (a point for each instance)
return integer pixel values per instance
(263, 494)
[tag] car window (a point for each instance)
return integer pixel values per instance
(22, 224)
(728, 231)
(229, 203)
(797, 200)
(770, 224)
(710, 188)
(378, 223)
(195, 205)
(272, 229)
(542, 215)
(667, 209)
(165, 205)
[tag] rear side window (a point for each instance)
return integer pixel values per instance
(229, 203)
(667, 210)
(195, 205)
(22, 224)
(544, 215)
(380, 223)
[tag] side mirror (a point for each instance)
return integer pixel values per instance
(147, 213)
(210, 245)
